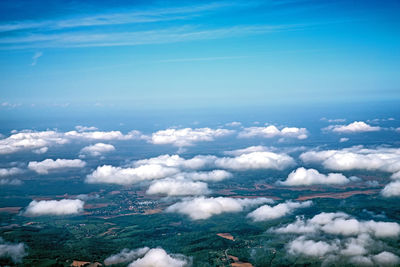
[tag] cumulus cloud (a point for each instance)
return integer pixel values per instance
(54, 207)
(100, 135)
(43, 167)
(177, 187)
(303, 176)
(203, 208)
(126, 255)
(341, 224)
(214, 175)
(158, 257)
(97, 149)
(343, 139)
(29, 140)
(272, 131)
(354, 242)
(233, 124)
(13, 251)
(392, 189)
(247, 150)
(310, 248)
(146, 257)
(175, 161)
(256, 160)
(187, 136)
(126, 176)
(379, 159)
(267, 212)
(354, 127)
(10, 171)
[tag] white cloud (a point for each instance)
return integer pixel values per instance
(54, 207)
(28, 140)
(382, 159)
(10, 171)
(386, 259)
(343, 139)
(126, 255)
(35, 58)
(267, 212)
(9, 181)
(43, 167)
(187, 136)
(303, 176)
(214, 175)
(13, 251)
(158, 257)
(97, 149)
(81, 128)
(256, 160)
(396, 175)
(392, 189)
(195, 163)
(341, 224)
(100, 135)
(310, 248)
(247, 150)
(126, 176)
(272, 131)
(203, 208)
(354, 127)
(177, 187)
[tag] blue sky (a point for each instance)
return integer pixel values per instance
(181, 54)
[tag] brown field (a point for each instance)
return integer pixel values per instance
(226, 236)
(152, 211)
(10, 209)
(238, 263)
(340, 195)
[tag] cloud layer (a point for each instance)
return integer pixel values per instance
(13, 251)
(354, 127)
(177, 187)
(97, 149)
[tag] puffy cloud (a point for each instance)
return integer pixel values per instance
(354, 127)
(97, 149)
(177, 187)
(203, 208)
(29, 140)
(391, 190)
(195, 163)
(126, 176)
(382, 159)
(310, 248)
(100, 135)
(43, 167)
(267, 212)
(158, 257)
(214, 175)
(126, 255)
(386, 259)
(341, 224)
(247, 150)
(303, 176)
(256, 160)
(13, 251)
(343, 139)
(272, 131)
(10, 171)
(187, 136)
(54, 207)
